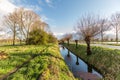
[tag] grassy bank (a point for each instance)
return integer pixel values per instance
(45, 65)
(105, 60)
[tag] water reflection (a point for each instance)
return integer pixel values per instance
(76, 65)
(68, 53)
(90, 68)
(63, 47)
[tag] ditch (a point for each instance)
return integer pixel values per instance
(78, 67)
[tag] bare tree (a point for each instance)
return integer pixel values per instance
(68, 37)
(88, 27)
(76, 38)
(22, 21)
(11, 22)
(104, 26)
(116, 24)
(20, 12)
(27, 19)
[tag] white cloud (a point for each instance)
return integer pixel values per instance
(50, 3)
(35, 8)
(58, 35)
(24, 3)
(18, 2)
(6, 6)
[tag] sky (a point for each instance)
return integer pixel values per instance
(62, 15)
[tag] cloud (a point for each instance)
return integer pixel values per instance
(50, 3)
(18, 2)
(35, 8)
(24, 3)
(6, 6)
(58, 35)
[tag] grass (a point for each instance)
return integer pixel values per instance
(105, 60)
(48, 65)
(16, 56)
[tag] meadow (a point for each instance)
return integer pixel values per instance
(107, 61)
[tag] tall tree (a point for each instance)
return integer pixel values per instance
(104, 26)
(88, 27)
(20, 12)
(29, 17)
(115, 20)
(22, 22)
(11, 22)
(26, 19)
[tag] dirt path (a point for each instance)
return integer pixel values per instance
(106, 46)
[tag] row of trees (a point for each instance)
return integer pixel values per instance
(90, 26)
(27, 25)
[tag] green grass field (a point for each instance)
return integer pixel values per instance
(45, 65)
(105, 60)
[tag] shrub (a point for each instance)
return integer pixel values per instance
(37, 36)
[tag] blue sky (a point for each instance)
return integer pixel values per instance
(62, 15)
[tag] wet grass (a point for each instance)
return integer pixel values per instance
(48, 65)
(105, 60)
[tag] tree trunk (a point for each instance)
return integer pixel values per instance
(68, 53)
(14, 33)
(90, 68)
(76, 41)
(116, 36)
(87, 39)
(101, 37)
(20, 41)
(76, 45)
(13, 39)
(26, 41)
(88, 49)
(68, 42)
(77, 63)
